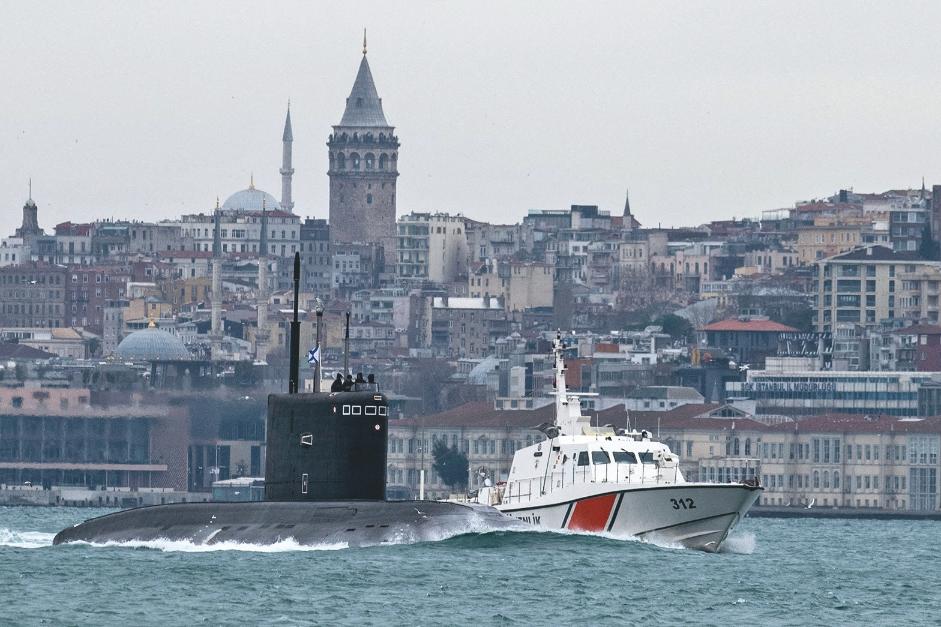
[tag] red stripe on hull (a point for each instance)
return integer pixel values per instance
(592, 514)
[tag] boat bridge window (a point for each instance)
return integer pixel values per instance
(624, 457)
(583, 458)
(647, 457)
(600, 457)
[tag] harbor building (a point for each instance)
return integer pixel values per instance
(818, 392)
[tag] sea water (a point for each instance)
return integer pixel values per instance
(771, 571)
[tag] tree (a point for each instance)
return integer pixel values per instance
(450, 464)
(675, 326)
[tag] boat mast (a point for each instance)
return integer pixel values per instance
(568, 410)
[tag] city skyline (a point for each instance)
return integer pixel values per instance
(119, 127)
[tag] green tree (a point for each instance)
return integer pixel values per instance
(675, 326)
(450, 464)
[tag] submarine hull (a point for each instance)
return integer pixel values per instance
(343, 523)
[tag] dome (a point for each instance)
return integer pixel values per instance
(152, 345)
(251, 199)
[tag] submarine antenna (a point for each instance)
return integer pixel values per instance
(295, 329)
(346, 346)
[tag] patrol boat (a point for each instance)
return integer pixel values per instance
(325, 484)
(598, 479)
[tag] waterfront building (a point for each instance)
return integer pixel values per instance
(63, 437)
(819, 392)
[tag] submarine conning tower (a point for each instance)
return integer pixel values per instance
(326, 446)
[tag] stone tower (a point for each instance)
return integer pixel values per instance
(364, 152)
(287, 169)
(30, 225)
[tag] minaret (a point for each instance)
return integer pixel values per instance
(363, 153)
(287, 170)
(216, 325)
(261, 300)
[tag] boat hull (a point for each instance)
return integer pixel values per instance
(342, 523)
(697, 516)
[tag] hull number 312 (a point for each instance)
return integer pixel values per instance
(683, 503)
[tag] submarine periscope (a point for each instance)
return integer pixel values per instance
(325, 484)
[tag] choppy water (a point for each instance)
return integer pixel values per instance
(789, 572)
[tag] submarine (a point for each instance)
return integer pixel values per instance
(325, 484)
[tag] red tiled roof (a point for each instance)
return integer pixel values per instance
(850, 423)
(765, 326)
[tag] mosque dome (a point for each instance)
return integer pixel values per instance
(152, 344)
(251, 199)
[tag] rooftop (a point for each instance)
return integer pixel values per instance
(364, 106)
(876, 253)
(761, 326)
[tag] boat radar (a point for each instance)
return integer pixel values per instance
(325, 483)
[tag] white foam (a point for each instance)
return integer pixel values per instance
(743, 543)
(185, 546)
(25, 539)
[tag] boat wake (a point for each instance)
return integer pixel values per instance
(743, 543)
(476, 534)
(25, 539)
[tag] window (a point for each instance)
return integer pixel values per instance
(582, 457)
(624, 457)
(600, 457)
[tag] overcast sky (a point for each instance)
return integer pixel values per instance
(706, 110)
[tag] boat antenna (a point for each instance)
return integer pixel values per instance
(295, 330)
(346, 346)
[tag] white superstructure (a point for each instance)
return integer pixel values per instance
(598, 479)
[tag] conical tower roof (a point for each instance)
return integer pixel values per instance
(288, 135)
(364, 107)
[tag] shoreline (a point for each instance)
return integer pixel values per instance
(838, 512)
